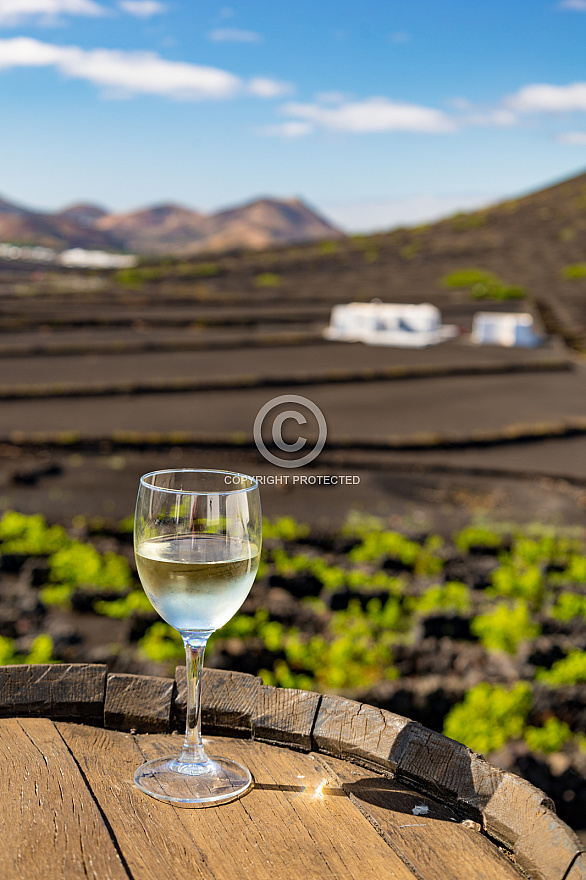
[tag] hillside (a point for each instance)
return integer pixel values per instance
(110, 375)
(62, 230)
(529, 242)
(166, 229)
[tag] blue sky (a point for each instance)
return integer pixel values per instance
(378, 112)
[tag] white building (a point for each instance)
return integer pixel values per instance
(393, 324)
(504, 328)
(82, 259)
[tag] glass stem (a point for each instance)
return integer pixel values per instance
(193, 750)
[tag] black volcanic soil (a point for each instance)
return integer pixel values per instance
(363, 411)
(436, 666)
(272, 360)
(440, 491)
(246, 328)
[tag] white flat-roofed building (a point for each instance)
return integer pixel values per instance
(504, 328)
(404, 325)
(82, 259)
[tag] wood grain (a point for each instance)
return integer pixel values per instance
(150, 833)
(578, 869)
(304, 826)
(179, 708)
(54, 690)
(138, 702)
(548, 848)
(50, 826)
(284, 715)
(513, 809)
(479, 785)
(276, 825)
(444, 767)
(346, 728)
(426, 834)
(284, 828)
(227, 701)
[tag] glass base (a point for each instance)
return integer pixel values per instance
(187, 784)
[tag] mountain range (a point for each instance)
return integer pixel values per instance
(167, 229)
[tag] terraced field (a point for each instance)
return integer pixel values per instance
(481, 635)
(173, 363)
(105, 377)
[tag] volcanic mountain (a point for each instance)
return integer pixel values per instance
(23, 226)
(168, 228)
(85, 215)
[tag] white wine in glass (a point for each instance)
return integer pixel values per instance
(197, 541)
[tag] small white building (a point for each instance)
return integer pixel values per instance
(504, 328)
(79, 258)
(394, 324)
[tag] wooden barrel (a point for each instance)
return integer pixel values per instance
(342, 789)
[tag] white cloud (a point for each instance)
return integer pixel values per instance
(331, 97)
(132, 73)
(372, 115)
(572, 137)
(26, 52)
(577, 5)
(544, 98)
(375, 215)
(142, 8)
(288, 130)
(498, 117)
(268, 88)
(535, 98)
(234, 35)
(14, 12)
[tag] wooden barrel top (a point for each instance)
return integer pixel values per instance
(341, 789)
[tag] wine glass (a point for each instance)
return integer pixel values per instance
(197, 540)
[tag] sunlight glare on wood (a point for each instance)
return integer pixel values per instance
(318, 794)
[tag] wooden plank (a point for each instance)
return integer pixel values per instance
(548, 848)
(290, 825)
(50, 825)
(444, 767)
(285, 715)
(148, 832)
(346, 728)
(138, 702)
(307, 824)
(179, 709)
(513, 809)
(578, 869)
(426, 834)
(478, 785)
(54, 690)
(227, 701)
